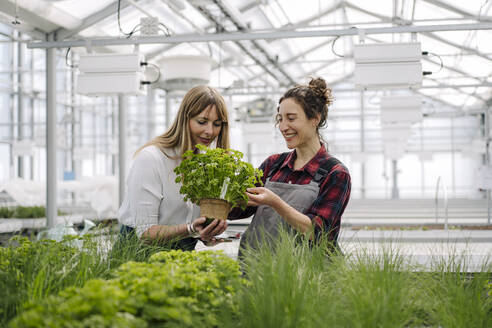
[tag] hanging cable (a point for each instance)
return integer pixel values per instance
(165, 29)
(333, 47)
(66, 59)
(425, 53)
(338, 36)
(158, 73)
(119, 23)
(16, 17)
(156, 68)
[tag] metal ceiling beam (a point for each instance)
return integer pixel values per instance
(462, 12)
(102, 14)
(470, 50)
(241, 26)
(41, 26)
(255, 35)
(196, 27)
(450, 68)
(450, 86)
(458, 108)
(305, 52)
(305, 22)
(232, 52)
(289, 60)
(111, 9)
(428, 34)
(324, 66)
(263, 91)
(157, 52)
(453, 69)
(241, 46)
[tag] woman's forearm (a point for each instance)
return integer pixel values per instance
(296, 219)
(164, 233)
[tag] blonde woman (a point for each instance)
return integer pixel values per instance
(153, 208)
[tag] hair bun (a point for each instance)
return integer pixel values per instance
(318, 85)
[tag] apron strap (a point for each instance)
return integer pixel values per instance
(320, 174)
(324, 169)
(277, 164)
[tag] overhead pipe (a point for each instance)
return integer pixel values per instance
(96, 42)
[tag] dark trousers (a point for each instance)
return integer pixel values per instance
(127, 233)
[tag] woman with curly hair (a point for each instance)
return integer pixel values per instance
(305, 190)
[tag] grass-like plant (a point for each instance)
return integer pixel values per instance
(293, 285)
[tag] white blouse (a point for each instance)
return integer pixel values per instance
(152, 195)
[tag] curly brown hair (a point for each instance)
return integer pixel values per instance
(314, 98)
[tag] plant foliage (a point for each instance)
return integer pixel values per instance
(293, 284)
(203, 174)
(175, 289)
(23, 212)
(30, 271)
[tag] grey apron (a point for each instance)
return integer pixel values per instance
(265, 225)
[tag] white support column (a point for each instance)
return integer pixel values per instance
(122, 145)
(422, 162)
(20, 103)
(487, 154)
(150, 114)
(72, 119)
(113, 132)
(11, 114)
(395, 192)
(453, 160)
(168, 110)
(362, 148)
(51, 187)
(32, 117)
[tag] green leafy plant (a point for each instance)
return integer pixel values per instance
(30, 271)
(203, 174)
(25, 212)
(175, 289)
(6, 212)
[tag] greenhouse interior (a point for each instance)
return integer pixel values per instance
(380, 210)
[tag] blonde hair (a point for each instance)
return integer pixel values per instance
(194, 102)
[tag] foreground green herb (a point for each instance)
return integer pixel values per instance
(291, 284)
(202, 175)
(176, 289)
(32, 270)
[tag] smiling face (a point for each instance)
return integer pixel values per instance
(297, 130)
(205, 127)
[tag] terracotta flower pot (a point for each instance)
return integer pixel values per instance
(214, 208)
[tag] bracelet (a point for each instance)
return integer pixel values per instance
(191, 230)
(188, 228)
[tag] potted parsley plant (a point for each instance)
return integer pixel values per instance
(216, 179)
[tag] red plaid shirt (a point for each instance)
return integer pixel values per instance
(327, 209)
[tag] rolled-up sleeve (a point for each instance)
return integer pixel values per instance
(140, 208)
(327, 209)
